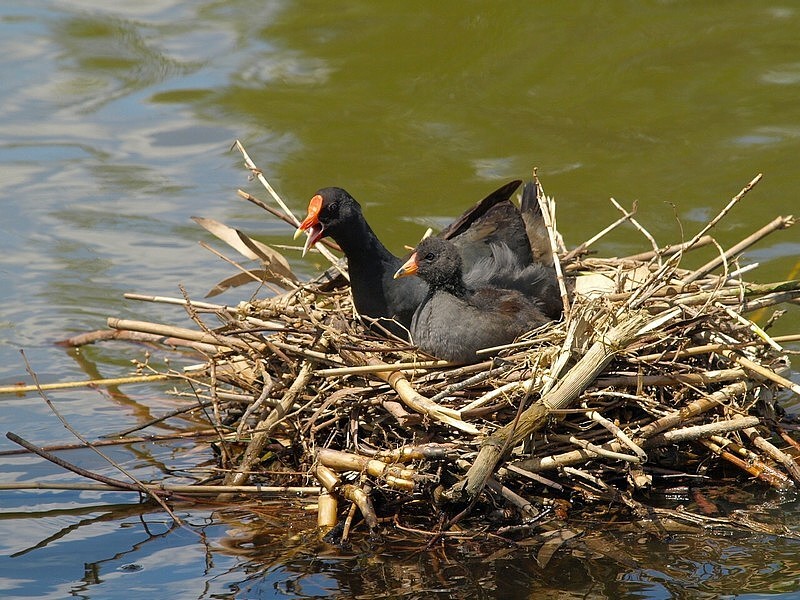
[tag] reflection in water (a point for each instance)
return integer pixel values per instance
(602, 562)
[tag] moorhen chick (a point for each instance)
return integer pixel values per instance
(457, 318)
(334, 212)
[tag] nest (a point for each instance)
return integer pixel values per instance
(659, 373)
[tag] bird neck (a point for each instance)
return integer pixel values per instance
(359, 243)
(454, 284)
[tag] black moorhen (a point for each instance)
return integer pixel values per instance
(335, 213)
(456, 319)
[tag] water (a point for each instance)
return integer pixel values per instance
(116, 128)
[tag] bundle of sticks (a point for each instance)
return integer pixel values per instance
(655, 369)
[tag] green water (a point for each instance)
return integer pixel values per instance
(115, 129)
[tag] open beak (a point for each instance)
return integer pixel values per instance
(409, 267)
(311, 224)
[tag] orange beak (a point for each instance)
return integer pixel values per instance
(409, 267)
(311, 224)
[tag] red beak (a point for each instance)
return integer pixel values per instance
(311, 224)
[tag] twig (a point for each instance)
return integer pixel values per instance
(638, 225)
(568, 388)
(712, 223)
(74, 432)
(69, 385)
(253, 452)
(260, 176)
(136, 486)
(167, 489)
(384, 368)
(283, 217)
(774, 225)
(666, 251)
(618, 433)
(187, 435)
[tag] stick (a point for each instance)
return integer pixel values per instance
(774, 225)
(638, 225)
(181, 302)
(672, 419)
(712, 223)
(383, 368)
(668, 250)
(69, 385)
(761, 371)
(707, 349)
(252, 454)
(773, 452)
(168, 488)
(753, 465)
(184, 333)
(410, 397)
(565, 391)
(138, 484)
(260, 176)
(282, 216)
(580, 249)
(688, 434)
(669, 380)
(188, 435)
(109, 481)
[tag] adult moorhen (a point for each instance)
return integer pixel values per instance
(334, 212)
(457, 318)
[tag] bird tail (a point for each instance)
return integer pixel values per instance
(534, 225)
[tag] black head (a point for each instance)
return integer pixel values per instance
(437, 262)
(330, 211)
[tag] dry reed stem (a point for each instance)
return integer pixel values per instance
(252, 455)
(225, 343)
(564, 392)
(751, 465)
(168, 489)
(774, 225)
(410, 397)
(668, 421)
(735, 200)
(547, 207)
(782, 458)
(258, 174)
(70, 385)
(666, 251)
(761, 371)
(327, 512)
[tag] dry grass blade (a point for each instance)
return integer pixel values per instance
(273, 260)
(259, 275)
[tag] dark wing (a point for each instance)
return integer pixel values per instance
(534, 225)
(493, 220)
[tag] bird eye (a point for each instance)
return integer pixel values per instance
(332, 207)
(430, 256)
